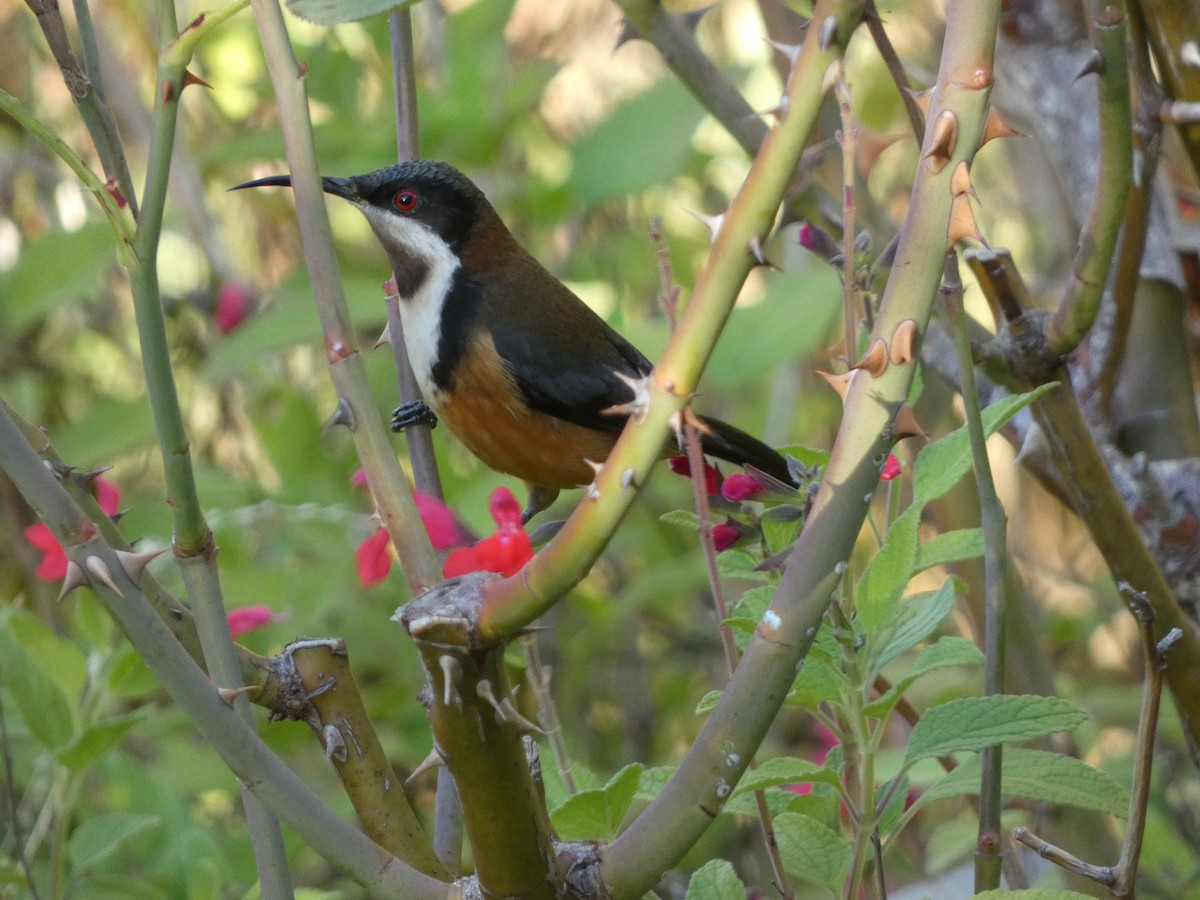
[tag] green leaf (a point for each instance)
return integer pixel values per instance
(884, 578)
(715, 880)
(106, 430)
(778, 801)
(972, 723)
(681, 517)
(92, 743)
(738, 563)
(913, 620)
(98, 837)
(653, 780)
(335, 12)
(813, 852)
(820, 679)
(949, 650)
(59, 660)
(708, 703)
(806, 456)
(597, 814)
(40, 282)
(941, 464)
(44, 707)
(1039, 775)
(785, 770)
(952, 546)
(652, 133)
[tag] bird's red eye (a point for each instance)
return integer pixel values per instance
(406, 200)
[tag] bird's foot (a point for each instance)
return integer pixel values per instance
(413, 412)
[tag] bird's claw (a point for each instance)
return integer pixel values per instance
(413, 412)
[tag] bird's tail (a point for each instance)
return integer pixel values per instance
(734, 445)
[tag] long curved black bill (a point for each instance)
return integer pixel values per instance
(339, 187)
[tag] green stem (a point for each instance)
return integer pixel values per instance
(989, 850)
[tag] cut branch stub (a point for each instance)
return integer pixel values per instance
(448, 613)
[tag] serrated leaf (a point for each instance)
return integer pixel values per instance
(680, 517)
(883, 581)
(597, 814)
(819, 679)
(778, 800)
(952, 546)
(813, 852)
(785, 770)
(941, 464)
(708, 703)
(913, 619)
(1039, 775)
(98, 837)
(738, 563)
(335, 12)
(715, 880)
(972, 723)
(949, 650)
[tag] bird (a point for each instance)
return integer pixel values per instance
(522, 371)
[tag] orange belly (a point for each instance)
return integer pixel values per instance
(484, 411)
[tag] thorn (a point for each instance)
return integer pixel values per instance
(85, 479)
(875, 362)
(790, 51)
(231, 694)
(943, 141)
(99, 570)
(1033, 446)
(119, 515)
(1093, 65)
(189, 78)
(594, 466)
(904, 340)
(779, 110)
(484, 689)
(755, 248)
(628, 33)
(637, 408)
(691, 19)
(451, 676)
(592, 493)
(905, 424)
(343, 415)
(1189, 54)
(712, 223)
(432, 761)
(829, 27)
(385, 336)
(73, 579)
(960, 181)
(676, 423)
(524, 726)
(840, 383)
(335, 744)
(994, 126)
(134, 563)
(628, 478)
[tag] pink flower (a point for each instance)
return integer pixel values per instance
(505, 551)
(440, 524)
(680, 465)
(251, 618)
(53, 566)
(891, 468)
(739, 486)
(373, 558)
(233, 306)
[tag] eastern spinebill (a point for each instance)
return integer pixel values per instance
(522, 371)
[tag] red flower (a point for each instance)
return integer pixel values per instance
(505, 551)
(251, 618)
(53, 566)
(233, 305)
(738, 487)
(725, 536)
(891, 468)
(373, 558)
(441, 526)
(680, 465)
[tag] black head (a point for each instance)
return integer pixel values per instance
(431, 193)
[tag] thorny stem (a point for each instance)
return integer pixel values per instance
(539, 683)
(847, 137)
(895, 68)
(989, 852)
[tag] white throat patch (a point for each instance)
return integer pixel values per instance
(420, 312)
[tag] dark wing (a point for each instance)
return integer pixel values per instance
(542, 341)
